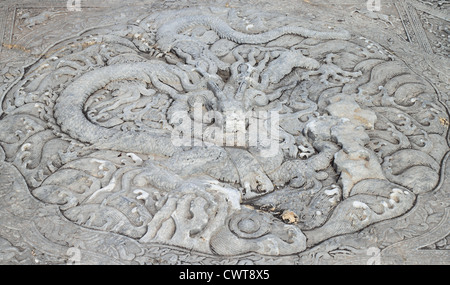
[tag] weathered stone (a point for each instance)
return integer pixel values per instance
(256, 130)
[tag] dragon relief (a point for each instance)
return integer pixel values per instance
(94, 123)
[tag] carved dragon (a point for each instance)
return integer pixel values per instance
(329, 138)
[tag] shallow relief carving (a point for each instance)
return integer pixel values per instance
(90, 128)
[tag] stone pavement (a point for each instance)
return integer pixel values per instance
(224, 132)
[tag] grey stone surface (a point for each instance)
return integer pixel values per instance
(353, 167)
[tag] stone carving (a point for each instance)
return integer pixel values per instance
(90, 127)
(31, 21)
(8, 251)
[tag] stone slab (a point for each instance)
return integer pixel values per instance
(224, 132)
